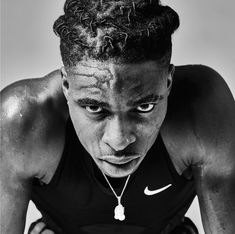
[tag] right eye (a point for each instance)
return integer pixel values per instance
(94, 109)
(145, 108)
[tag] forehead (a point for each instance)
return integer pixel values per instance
(125, 79)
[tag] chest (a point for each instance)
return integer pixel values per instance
(75, 197)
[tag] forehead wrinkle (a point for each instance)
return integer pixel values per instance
(91, 75)
(136, 82)
(101, 79)
(101, 69)
(89, 88)
(94, 69)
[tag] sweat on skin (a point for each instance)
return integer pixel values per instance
(117, 109)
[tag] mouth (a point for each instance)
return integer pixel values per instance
(119, 166)
(119, 160)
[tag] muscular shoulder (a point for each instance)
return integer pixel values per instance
(31, 124)
(200, 119)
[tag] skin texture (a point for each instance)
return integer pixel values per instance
(198, 131)
(102, 108)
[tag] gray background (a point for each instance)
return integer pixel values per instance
(30, 49)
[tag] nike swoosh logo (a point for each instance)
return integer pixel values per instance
(153, 192)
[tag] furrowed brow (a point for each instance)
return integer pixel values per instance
(148, 99)
(91, 102)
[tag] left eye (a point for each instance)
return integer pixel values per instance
(94, 109)
(145, 108)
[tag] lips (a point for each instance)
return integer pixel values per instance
(119, 160)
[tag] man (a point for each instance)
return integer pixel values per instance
(118, 141)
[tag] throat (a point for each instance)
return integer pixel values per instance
(117, 183)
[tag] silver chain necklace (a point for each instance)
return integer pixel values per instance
(119, 209)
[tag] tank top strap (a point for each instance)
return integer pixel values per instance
(65, 154)
(175, 175)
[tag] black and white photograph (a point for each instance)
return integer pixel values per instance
(117, 117)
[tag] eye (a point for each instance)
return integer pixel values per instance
(94, 109)
(145, 108)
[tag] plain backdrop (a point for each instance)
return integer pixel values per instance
(30, 49)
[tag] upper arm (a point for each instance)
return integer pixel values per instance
(16, 170)
(32, 140)
(215, 171)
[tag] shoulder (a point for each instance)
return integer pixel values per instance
(198, 81)
(201, 117)
(32, 125)
(204, 92)
(210, 105)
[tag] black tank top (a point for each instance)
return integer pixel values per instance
(78, 199)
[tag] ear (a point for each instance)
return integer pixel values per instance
(65, 83)
(171, 72)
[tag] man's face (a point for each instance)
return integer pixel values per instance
(117, 110)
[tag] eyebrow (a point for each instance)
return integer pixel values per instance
(147, 99)
(91, 102)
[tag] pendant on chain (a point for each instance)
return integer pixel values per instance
(119, 211)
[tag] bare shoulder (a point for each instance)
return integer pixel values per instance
(32, 125)
(200, 125)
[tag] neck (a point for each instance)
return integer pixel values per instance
(117, 183)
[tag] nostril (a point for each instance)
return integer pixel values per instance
(131, 139)
(119, 144)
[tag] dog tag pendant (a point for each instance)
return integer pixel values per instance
(119, 211)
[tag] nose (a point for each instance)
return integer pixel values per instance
(118, 134)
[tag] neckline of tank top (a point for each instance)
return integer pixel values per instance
(71, 137)
(96, 175)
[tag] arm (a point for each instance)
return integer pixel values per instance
(14, 199)
(14, 184)
(32, 141)
(215, 173)
(16, 168)
(216, 194)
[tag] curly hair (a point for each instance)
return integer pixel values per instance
(123, 30)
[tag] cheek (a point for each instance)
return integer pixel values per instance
(147, 131)
(87, 131)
